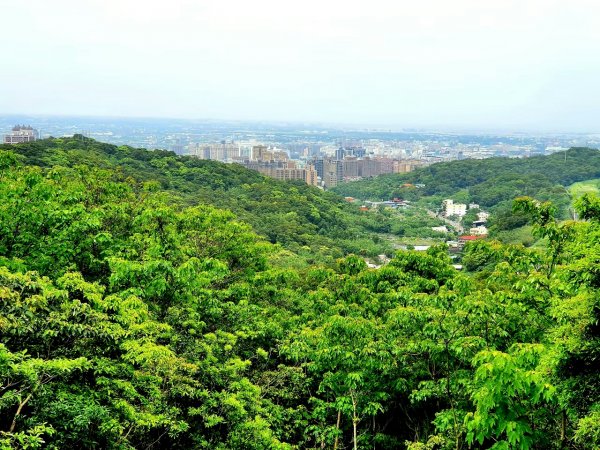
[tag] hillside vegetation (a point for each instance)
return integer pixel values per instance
(134, 315)
(585, 187)
(489, 181)
(318, 225)
(492, 183)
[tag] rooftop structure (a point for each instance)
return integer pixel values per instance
(20, 134)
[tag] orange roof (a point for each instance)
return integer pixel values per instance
(470, 238)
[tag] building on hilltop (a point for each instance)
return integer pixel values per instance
(20, 134)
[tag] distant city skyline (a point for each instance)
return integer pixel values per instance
(361, 126)
(465, 65)
(181, 136)
(321, 156)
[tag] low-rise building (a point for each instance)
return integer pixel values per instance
(479, 231)
(483, 216)
(454, 209)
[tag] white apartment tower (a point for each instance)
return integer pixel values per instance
(20, 134)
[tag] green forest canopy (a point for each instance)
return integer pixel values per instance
(492, 183)
(318, 225)
(134, 316)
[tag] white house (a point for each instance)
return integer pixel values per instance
(483, 216)
(478, 231)
(454, 209)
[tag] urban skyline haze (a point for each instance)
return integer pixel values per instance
(522, 65)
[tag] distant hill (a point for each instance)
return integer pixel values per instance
(492, 183)
(303, 219)
(489, 180)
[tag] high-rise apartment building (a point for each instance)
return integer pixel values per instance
(406, 165)
(351, 164)
(288, 174)
(368, 168)
(21, 133)
(333, 172)
(223, 151)
(386, 165)
(319, 167)
(311, 176)
(258, 152)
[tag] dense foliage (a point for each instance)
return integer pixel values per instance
(492, 183)
(134, 318)
(489, 181)
(318, 225)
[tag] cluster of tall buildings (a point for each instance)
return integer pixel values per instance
(270, 162)
(346, 164)
(277, 164)
(352, 164)
(20, 134)
(222, 151)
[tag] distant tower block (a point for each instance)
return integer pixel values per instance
(258, 152)
(20, 134)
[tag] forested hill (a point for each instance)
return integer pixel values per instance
(308, 221)
(130, 320)
(487, 182)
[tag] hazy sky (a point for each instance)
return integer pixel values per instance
(526, 64)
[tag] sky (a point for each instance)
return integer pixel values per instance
(493, 64)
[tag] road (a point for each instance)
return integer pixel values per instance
(456, 225)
